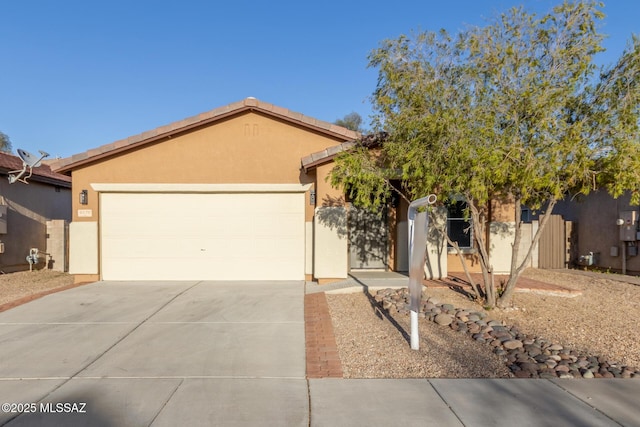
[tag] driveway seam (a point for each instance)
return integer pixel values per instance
(164, 405)
(136, 328)
(75, 375)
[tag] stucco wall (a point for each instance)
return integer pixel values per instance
(249, 148)
(597, 230)
(30, 206)
(330, 243)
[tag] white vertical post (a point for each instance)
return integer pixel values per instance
(418, 223)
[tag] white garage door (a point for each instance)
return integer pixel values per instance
(202, 236)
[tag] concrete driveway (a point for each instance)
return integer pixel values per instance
(156, 353)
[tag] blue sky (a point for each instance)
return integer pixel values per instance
(79, 74)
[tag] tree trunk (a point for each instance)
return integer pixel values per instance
(516, 270)
(467, 273)
(478, 221)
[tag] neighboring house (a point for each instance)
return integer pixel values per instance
(607, 231)
(236, 193)
(29, 213)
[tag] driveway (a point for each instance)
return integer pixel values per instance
(156, 353)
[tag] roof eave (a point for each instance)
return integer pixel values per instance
(42, 179)
(157, 135)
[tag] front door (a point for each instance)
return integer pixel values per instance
(368, 239)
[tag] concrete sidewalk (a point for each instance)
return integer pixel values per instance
(477, 402)
(216, 353)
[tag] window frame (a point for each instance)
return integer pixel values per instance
(466, 221)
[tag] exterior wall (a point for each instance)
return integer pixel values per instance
(29, 207)
(500, 235)
(330, 243)
(249, 148)
(500, 245)
(598, 232)
(83, 248)
(57, 244)
(528, 232)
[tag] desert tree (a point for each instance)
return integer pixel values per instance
(351, 121)
(5, 142)
(515, 112)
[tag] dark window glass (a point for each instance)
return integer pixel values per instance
(458, 224)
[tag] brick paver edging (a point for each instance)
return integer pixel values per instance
(323, 360)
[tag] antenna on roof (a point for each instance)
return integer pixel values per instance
(29, 161)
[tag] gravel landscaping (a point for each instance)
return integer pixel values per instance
(29, 284)
(589, 336)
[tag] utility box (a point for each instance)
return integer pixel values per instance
(628, 227)
(3, 219)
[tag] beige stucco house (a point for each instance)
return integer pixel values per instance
(218, 196)
(33, 215)
(236, 193)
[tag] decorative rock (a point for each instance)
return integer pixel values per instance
(443, 319)
(522, 374)
(512, 344)
(473, 328)
(529, 367)
(525, 356)
(548, 376)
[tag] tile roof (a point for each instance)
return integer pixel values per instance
(315, 159)
(324, 156)
(66, 165)
(43, 173)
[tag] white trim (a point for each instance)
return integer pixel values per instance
(199, 188)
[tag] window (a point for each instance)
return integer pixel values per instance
(459, 224)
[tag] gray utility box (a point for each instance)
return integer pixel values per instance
(628, 232)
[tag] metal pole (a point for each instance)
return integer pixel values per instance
(418, 223)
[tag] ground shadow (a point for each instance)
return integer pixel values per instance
(380, 312)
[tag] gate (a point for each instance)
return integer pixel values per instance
(556, 243)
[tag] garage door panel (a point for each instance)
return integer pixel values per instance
(159, 236)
